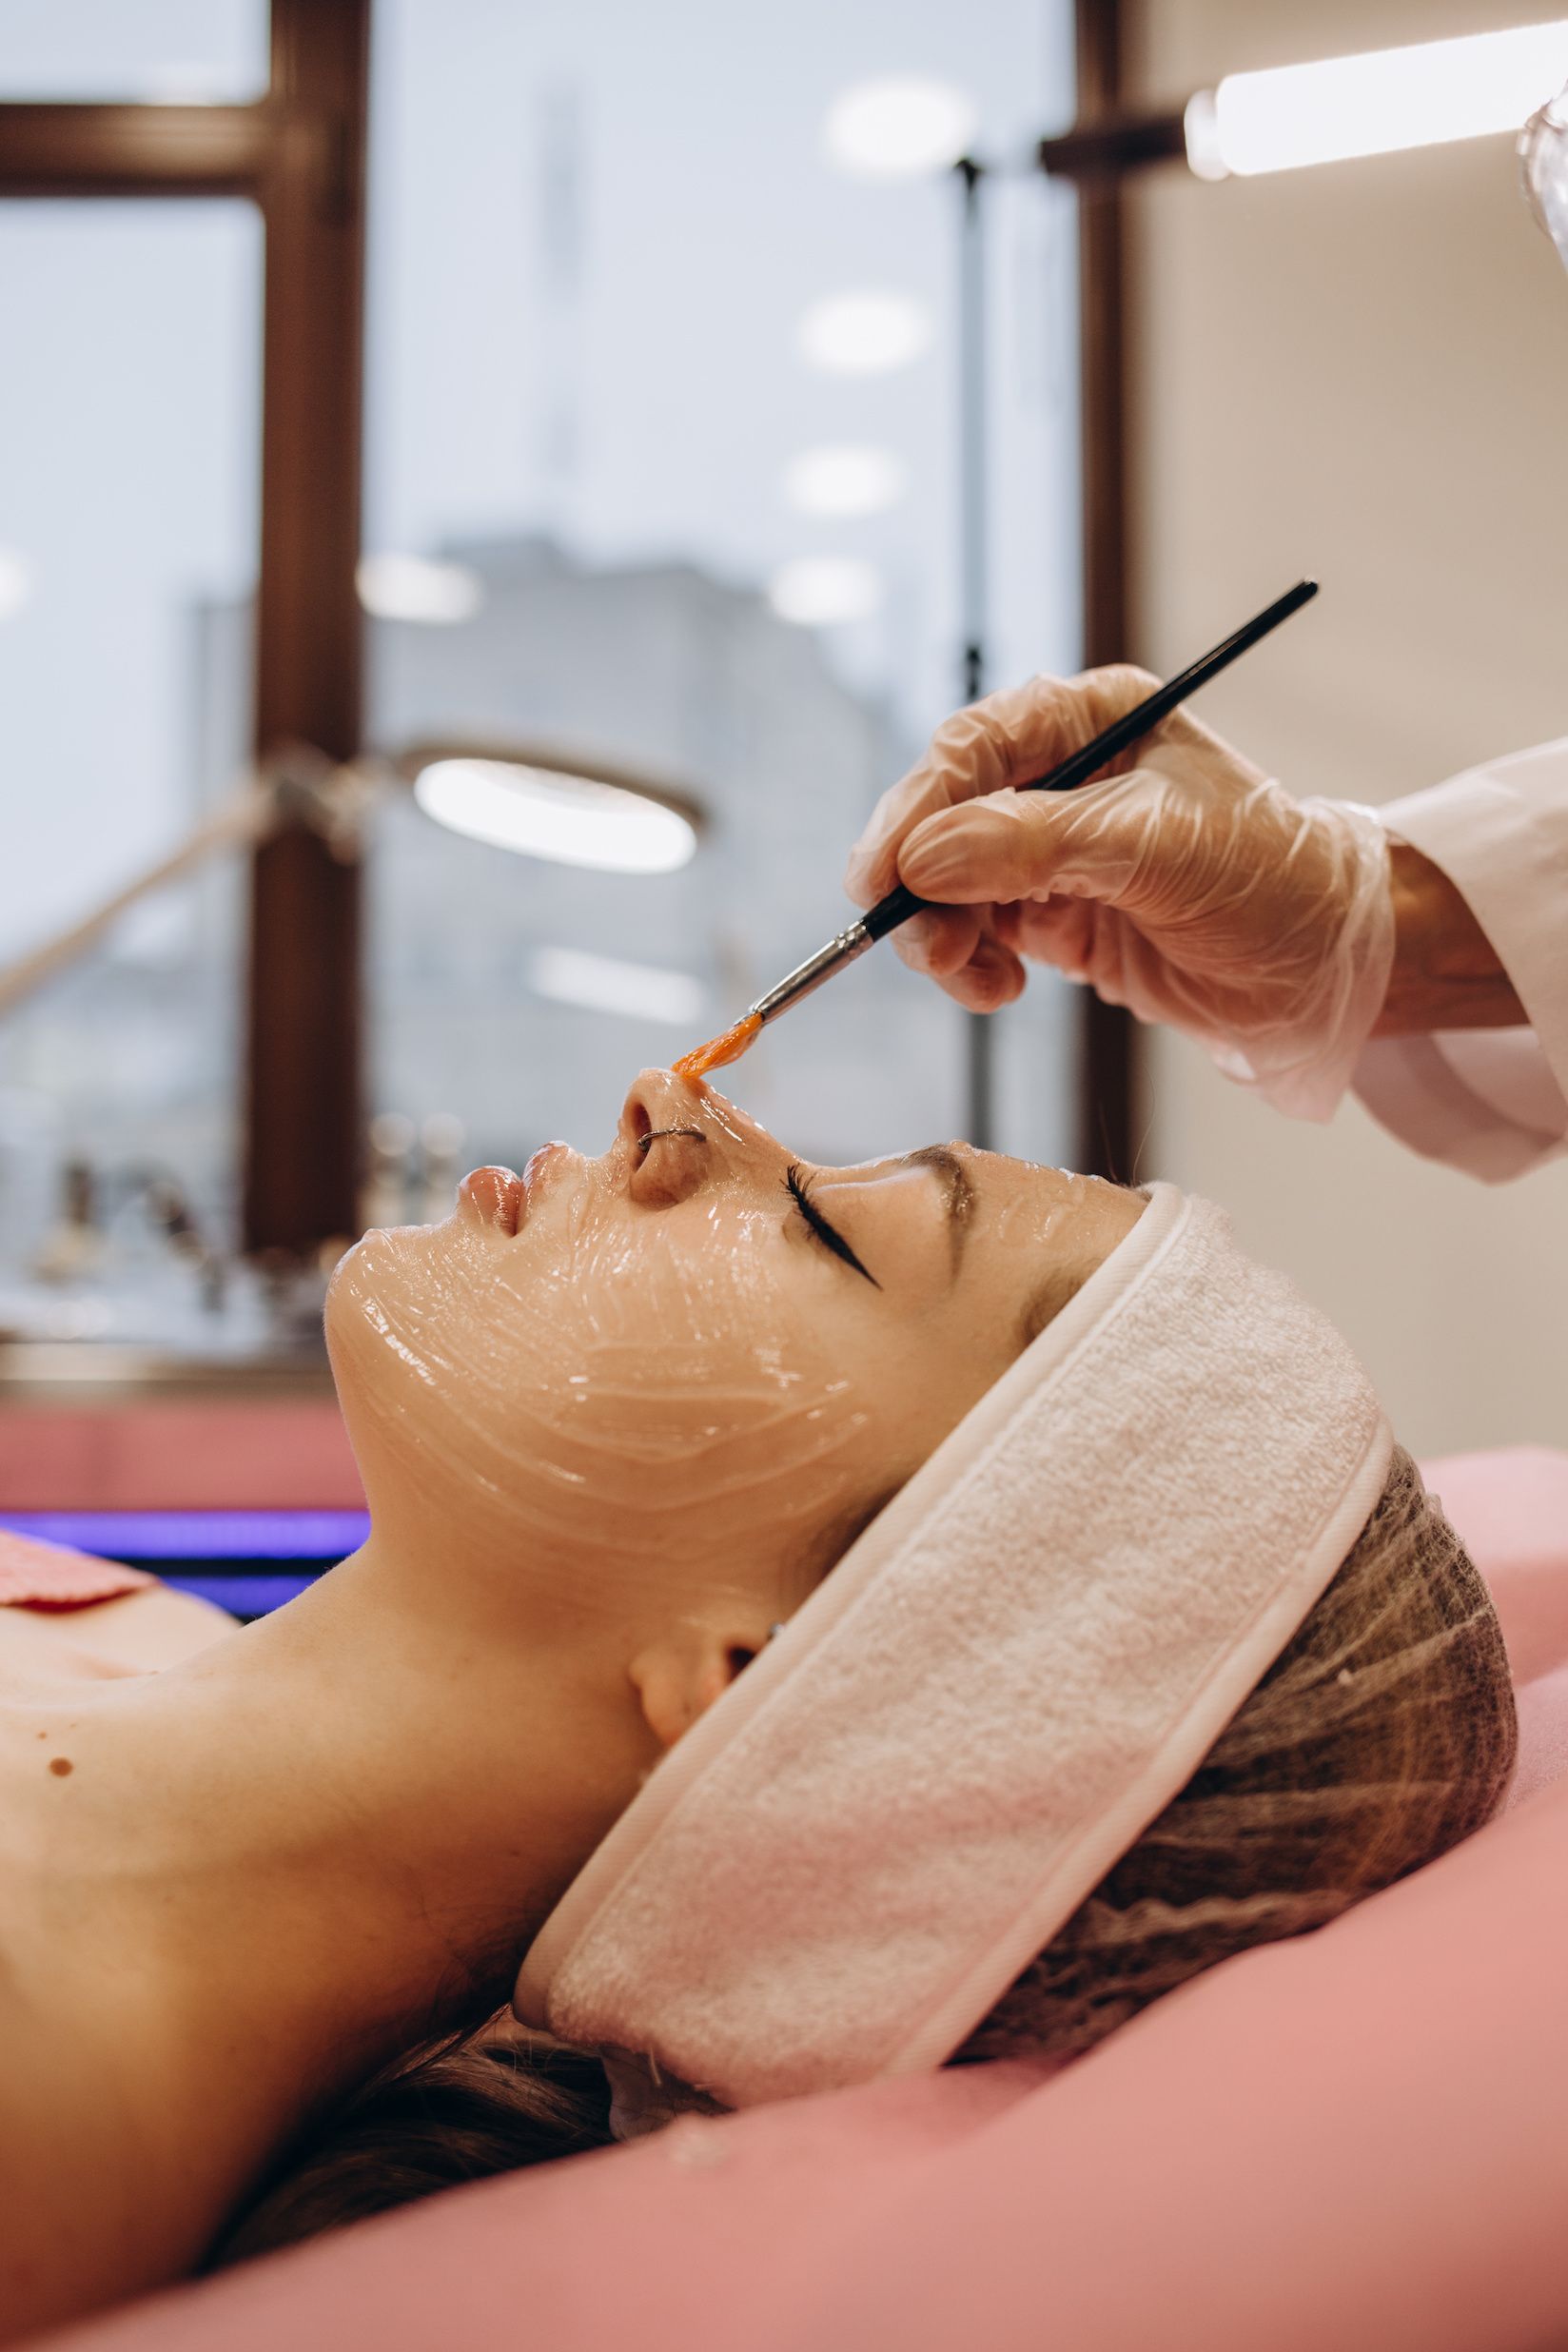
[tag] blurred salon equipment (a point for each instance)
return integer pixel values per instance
(98, 1309)
(539, 801)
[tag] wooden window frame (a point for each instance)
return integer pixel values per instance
(299, 155)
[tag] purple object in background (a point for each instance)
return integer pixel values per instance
(243, 1595)
(141, 1537)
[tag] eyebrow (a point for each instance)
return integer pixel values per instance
(958, 1199)
(958, 1194)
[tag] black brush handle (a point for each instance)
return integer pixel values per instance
(888, 912)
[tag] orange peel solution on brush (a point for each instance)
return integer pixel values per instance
(720, 1051)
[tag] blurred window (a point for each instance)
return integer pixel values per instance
(179, 53)
(130, 402)
(663, 465)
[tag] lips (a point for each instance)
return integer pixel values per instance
(496, 1196)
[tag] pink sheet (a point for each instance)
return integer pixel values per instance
(1358, 2139)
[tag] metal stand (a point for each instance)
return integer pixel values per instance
(973, 378)
(1105, 1144)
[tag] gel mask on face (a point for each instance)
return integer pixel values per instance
(840, 1868)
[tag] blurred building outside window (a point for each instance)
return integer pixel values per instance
(664, 398)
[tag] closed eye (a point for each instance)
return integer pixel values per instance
(799, 1190)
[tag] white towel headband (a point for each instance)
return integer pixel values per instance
(837, 1871)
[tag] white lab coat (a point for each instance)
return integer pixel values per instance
(1494, 1102)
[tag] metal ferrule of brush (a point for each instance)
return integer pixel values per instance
(812, 974)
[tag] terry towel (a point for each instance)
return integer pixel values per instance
(835, 1873)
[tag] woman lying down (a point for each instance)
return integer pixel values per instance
(822, 1623)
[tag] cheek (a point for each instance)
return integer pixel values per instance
(657, 1386)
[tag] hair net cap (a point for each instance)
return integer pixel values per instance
(838, 1870)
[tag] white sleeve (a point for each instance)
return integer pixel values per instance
(1494, 1102)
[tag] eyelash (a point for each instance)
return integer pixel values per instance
(799, 1190)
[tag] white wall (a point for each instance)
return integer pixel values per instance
(1360, 372)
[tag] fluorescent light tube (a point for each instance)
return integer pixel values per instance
(1378, 104)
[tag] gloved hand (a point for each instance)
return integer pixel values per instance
(1184, 884)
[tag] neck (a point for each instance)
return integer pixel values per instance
(269, 1870)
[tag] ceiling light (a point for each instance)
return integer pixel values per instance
(1376, 103)
(864, 333)
(394, 587)
(15, 582)
(576, 811)
(900, 129)
(605, 984)
(818, 591)
(560, 814)
(844, 481)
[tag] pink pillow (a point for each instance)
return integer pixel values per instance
(1357, 2139)
(1543, 1736)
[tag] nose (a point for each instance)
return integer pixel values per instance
(658, 1100)
(667, 1150)
(678, 1135)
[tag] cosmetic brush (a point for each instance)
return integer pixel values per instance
(900, 903)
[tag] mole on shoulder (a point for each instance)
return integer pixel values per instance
(61, 1764)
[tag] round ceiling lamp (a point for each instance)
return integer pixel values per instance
(400, 587)
(15, 582)
(900, 129)
(550, 805)
(824, 592)
(864, 333)
(844, 481)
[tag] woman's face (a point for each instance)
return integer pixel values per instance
(693, 1358)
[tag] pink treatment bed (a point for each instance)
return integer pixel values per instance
(1358, 2139)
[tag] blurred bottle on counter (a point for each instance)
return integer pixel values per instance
(440, 1146)
(73, 1247)
(386, 1197)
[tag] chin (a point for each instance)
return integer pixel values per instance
(382, 1271)
(384, 1304)
(411, 1317)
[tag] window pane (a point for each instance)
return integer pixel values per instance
(663, 465)
(187, 52)
(127, 532)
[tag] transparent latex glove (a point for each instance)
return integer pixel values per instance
(1187, 886)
